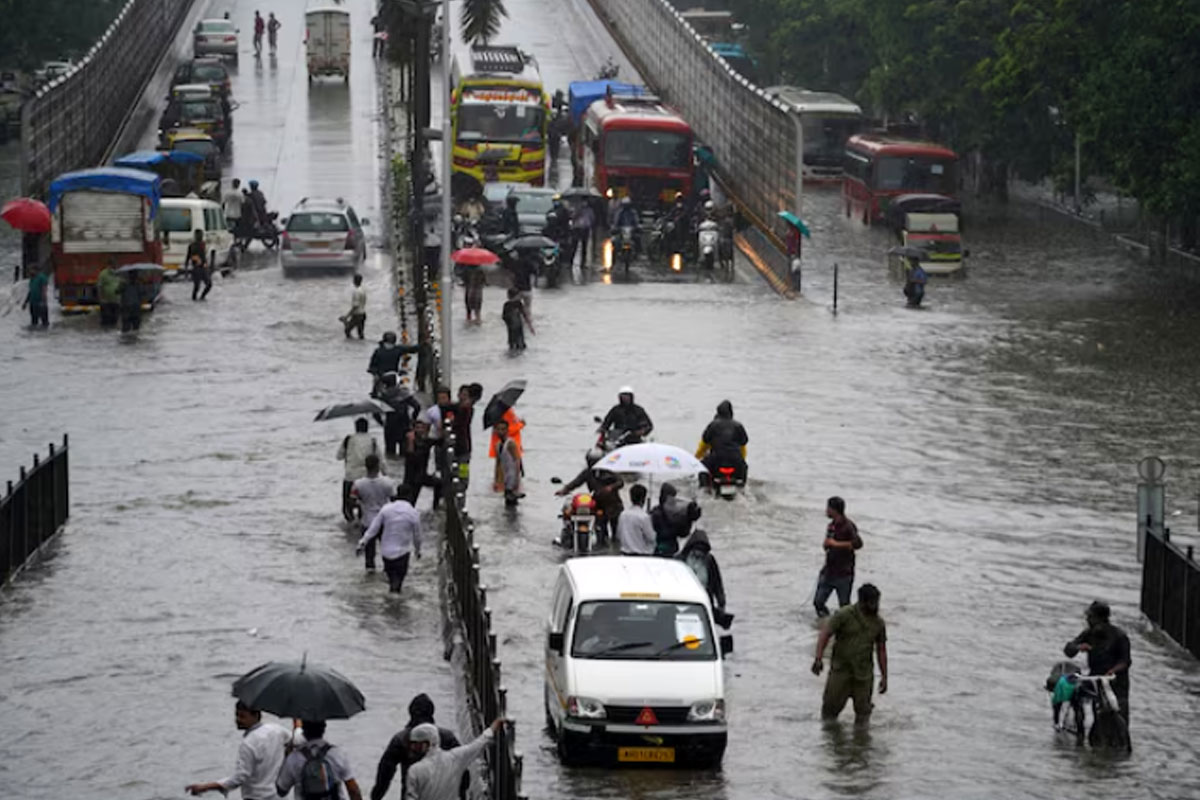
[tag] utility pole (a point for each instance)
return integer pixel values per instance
(447, 238)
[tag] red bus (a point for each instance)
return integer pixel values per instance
(879, 167)
(636, 146)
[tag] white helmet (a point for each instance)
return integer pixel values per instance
(625, 390)
(709, 205)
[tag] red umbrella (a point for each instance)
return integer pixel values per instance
(26, 214)
(474, 256)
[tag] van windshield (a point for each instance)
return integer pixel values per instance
(638, 630)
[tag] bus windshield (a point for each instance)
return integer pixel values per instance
(656, 149)
(513, 124)
(825, 138)
(916, 174)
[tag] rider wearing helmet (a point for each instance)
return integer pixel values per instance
(558, 221)
(605, 487)
(258, 202)
(1107, 648)
(627, 215)
(723, 443)
(627, 416)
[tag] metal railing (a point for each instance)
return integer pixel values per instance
(69, 123)
(1171, 589)
(33, 510)
(752, 135)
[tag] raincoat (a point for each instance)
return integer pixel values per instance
(697, 554)
(108, 287)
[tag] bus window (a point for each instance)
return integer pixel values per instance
(914, 175)
(660, 149)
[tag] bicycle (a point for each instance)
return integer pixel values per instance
(1109, 729)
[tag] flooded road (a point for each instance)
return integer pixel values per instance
(984, 444)
(204, 536)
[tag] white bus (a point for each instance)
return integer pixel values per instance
(828, 120)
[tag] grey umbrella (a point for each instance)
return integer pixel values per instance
(531, 241)
(580, 193)
(356, 409)
(301, 691)
(909, 252)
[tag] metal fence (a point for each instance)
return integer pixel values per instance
(33, 510)
(1171, 590)
(752, 135)
(69, 123)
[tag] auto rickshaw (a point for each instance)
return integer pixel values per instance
(182, 172)
(205, 114)
(929, 224)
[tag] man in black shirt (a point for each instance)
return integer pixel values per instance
(399, 754)
(627, 415)
(841, 540)
(1107, 649)
(197, 262)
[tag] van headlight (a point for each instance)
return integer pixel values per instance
(585, 708)
(707, 711)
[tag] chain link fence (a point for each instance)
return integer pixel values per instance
(69, 123)
(752, 135)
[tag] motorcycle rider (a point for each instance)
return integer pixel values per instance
(626, 417)
(605, 487)
(558, 222)
(258, 205)
(626, 216)
(677, 216)
(723, 444)
(510, 223)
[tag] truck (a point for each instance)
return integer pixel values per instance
(102, 217)
(327, 41)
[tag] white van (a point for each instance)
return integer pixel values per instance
(634, 668)
(327, 41)
(180, 218)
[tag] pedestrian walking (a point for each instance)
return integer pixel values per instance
(400, 753)
(841, 541)
(635, 531)
(672, 518)
(473, 282)
(1107, 648)
(371, 494)
(524, 273)
(434, 413)
(398, 526)
(259, 759)
(354, 450)
(108, 292)
(272, 31)
(35, 300)
(461, 415)
(508, 465)
(403, 408)
(516, 316)
(438, 775)
(417, 448)
(259, 26)
(232, 203)
(197, 261)
(356, 317)
(859, 635)
(697, 554)
(131, 304)
(582, 223)
(317, 769)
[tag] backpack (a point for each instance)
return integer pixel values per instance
(316, 776)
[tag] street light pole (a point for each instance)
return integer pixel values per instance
(447, 238)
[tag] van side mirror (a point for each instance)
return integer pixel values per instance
(726, 644)
(555, 642)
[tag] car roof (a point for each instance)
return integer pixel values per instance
(208, 62)
(228, 22)
(193, 87)
(322, 205)
(187, 202)
(193, 135)
(633, 578)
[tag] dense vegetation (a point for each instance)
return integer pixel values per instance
(1014, 80)
(34, 31)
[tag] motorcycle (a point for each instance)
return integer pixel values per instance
(609, 70)
(550, 267)
(265, 232)
(607, 441)
(707, 236)
(579, 532)
(624, 247)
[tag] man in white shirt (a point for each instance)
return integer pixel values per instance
(372, 493)
(356, 318)
(354, 451)
(398, 526)
(437, 775)
(635, 531)
(333, 769)
(260, 756)
(231, 204)
(433, 414)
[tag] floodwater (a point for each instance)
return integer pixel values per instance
(985, 446)
(205, 533)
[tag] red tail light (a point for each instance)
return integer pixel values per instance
(284, 242)
(231, 38)
(726, 471)
(351, 242)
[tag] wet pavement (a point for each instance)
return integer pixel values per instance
(985, 446)
(204, 536)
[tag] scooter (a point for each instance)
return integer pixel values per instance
(579, 524)
(624, 247)
(707, 237)
(551, 266)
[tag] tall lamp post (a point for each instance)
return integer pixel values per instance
(447, 237)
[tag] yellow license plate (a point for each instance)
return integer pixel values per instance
(659, 755)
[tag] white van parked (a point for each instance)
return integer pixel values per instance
(179, 219)
(633, 666)
(327, 41)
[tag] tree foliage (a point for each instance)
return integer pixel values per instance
(1015, 80)
(481, 20)
(35, 31)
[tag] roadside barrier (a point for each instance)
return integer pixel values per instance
(33, 510)
(71, 122)
(1171, 589)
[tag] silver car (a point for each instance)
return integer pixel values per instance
(215, 37)
(323, 234)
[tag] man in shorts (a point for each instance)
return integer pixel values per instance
(859, 634)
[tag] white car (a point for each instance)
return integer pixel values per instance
(634, 668)
(323, 234)
(180, 218)
(215, 37)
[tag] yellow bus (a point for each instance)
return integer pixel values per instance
(499, 115)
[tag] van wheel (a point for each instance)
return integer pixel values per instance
(568, 755)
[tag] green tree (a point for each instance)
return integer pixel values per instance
(480, 21)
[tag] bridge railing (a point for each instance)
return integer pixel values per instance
(33, 510)
(752, 135)
(1171, 589)
(70, 123)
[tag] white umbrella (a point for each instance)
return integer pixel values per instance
(651, 458)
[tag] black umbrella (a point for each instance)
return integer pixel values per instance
(909, 252)
(580, 193)
(463, 186)
(502, 401)
(532, 241)
(301, 691)
(356, 409)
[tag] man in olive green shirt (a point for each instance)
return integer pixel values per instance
(858, 632)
